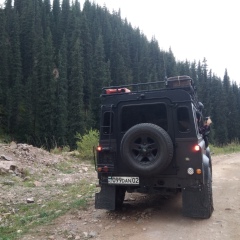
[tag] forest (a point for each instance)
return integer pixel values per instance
(54, 60)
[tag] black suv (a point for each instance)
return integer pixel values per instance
(150, 143)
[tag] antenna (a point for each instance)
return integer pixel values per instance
(165, 71)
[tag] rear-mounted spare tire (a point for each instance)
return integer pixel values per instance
(146, 149)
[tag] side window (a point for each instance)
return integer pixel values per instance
(107, 126)
(183, 119)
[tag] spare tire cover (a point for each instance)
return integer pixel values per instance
(146, 149)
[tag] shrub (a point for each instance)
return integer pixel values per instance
(60, 150)
(226, 149)
(86, 143)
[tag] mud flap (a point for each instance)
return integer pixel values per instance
(196, 203)
(105, 199)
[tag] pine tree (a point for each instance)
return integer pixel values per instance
(101, 78)
(170, 64)
(118, 68)
(106, 31)
(76, 81)
(193, 73)
(61, 96)
(236, 93)
(219, 114)
(75, 95)
(26, 11)
(47, 88)
(87, 71)
(156, 62)
(4, 70)
(183, 68)
(33, 88)
(135, 54)
(55, 25)
(15, 86)
(232, 115)
(64, 19)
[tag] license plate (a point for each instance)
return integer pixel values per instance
(123, 180)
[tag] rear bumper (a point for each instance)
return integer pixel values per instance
(160, 182)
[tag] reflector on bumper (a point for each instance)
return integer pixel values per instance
(190, 171)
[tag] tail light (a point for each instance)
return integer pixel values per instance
(103, 169)
(196, 148)
(99, 148)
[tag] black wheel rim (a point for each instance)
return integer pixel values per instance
(144, 150)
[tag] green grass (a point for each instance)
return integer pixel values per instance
(60, 150)
(29, 216)
(65, 167)
(227, 149)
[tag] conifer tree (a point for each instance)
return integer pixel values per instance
(33, 88)
(75, 79)
(106, 31)
(101, 78)
(4, 70)
(87, 71)
(144, 60)
(64, 19)
(170, 64)
(236, 94)
(75, 95)
(26, 16)
(55, 24)
(118, 69)
(47, 88)
(15, 76)
(155, 61)
(219, 114)
(193, 73)
(61, 95)
(232, 115)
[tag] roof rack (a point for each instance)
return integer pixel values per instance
(134, 87)
(185, 82)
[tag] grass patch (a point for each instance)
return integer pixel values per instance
(60, 150)
(29, 184)
(65, 167)
(226, 149)
(29, 216)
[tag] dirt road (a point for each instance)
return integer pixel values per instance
(154, 218)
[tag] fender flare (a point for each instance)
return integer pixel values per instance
(206, 165)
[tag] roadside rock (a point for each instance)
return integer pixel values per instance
(30, 200)
(6, 158)
(6, 166)
(13, 145)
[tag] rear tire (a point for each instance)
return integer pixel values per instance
(198, 201)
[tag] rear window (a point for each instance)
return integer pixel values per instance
(183, 119)
(148, 113)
